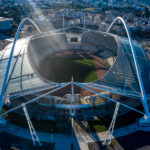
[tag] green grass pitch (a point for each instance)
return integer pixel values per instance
(64, 68)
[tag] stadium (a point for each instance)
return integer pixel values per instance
(73, 73)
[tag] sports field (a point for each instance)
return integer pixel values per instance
(80, 66)
(64, 68)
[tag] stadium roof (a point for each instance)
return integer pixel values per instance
(24, 77)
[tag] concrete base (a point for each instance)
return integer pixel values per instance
(144, 123)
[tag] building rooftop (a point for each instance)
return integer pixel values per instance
(4, 19)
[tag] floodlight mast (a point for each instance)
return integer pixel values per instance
(144, 98)
(10, 58)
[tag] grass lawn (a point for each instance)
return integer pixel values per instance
(89, 62)
(97, 126)
(88, 9)
(64, 68)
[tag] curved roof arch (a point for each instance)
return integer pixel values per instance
(136, 64)
(123, 74)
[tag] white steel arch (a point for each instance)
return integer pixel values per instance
(144, 99)
(10, 57)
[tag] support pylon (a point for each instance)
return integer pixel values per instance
(112, 125)
(34, 136)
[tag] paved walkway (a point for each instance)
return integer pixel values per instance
(82, 136)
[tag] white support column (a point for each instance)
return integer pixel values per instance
(72, 111)
(112, 126)
(63, 23)
(31, 128)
